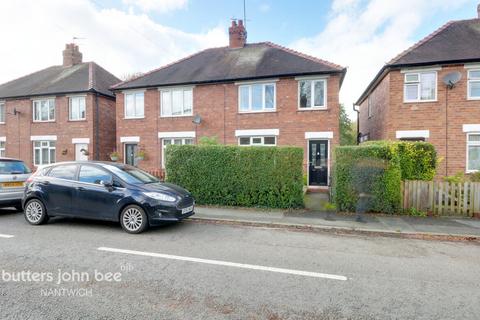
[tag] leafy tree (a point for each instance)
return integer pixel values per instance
(348, 135)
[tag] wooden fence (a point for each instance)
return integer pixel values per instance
(442, 198)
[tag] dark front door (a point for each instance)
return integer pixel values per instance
(318, 162)
(131, 154)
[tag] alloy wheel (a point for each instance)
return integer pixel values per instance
(34, 211)
(132, 219)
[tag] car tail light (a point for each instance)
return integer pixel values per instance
(30, 179)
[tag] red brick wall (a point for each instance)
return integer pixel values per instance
(217, 104)
(106, 127)
(434, 116)
(18, 128)
(376, 125)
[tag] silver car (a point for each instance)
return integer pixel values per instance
(13, 174)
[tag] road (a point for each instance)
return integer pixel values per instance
(206, 271)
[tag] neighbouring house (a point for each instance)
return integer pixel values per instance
(60, 113)
(431, 92)
(247, 94)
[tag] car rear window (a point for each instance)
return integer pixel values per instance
(13, 167)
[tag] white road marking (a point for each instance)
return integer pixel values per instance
(7, 236)
(227, 264)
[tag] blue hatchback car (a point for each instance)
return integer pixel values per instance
(104, 191)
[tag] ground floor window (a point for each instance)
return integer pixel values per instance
(168, 141)
(473, 152)
(43, 152)
(2, 148)
(257, 141)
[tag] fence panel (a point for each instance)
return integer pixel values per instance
(442, 198)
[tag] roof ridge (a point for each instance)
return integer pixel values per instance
(422, 41)
(163, 67)
(303, 55)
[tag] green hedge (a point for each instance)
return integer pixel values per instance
(418, 160)
(377, 169)
(372, 169)
(238, 176)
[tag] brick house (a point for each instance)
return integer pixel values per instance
(244, 94)
(431, 92)
(60, 113)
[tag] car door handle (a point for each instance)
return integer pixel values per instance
(46, 182)
(81, 189)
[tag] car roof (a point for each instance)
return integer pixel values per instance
(9, 159)
(100, 163)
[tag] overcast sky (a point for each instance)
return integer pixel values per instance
(127, 36)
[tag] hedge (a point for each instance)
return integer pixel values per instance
(238, 176)
(377, 169)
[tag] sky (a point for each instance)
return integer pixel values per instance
(131, 36)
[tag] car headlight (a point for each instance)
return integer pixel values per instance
(160, 196)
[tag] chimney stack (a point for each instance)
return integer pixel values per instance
(71, 55)
(238, 34)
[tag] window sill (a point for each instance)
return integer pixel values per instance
(473, 98)
(313, 109)
(133, 118)
(177, 116)
(254, 112)
(49, 121)
(471, 171)
(80, 120)
(419, 101)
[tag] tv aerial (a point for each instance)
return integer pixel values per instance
(451, 79)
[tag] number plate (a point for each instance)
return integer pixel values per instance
(12, 184)
(187, 210)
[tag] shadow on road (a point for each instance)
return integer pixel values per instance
(9, 211)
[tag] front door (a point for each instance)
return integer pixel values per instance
(131, 154)
(80, 152)
(318, 162)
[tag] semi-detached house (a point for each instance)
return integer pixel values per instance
(431, 92)
(258, 94)
(64, 112)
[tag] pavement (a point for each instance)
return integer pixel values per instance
(315, 218)
(214, 271)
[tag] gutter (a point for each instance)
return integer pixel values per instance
(358, 123)
(29, 96)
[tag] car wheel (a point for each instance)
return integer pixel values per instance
(35, 212)
(134, 219)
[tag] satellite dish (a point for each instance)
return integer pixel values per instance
(450, 79)
(197, 119)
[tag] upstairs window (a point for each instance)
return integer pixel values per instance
(134, 105)
(257, 97)
(420, 86)
(77, 109)
(312, 94)
(474, 84)
(44, 110)
(473, 152)
(176, 102)
(257, 141)
(2, 112)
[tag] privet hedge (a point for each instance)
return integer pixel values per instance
(375, 170)
(238, 176)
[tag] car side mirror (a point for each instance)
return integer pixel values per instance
(107, 184)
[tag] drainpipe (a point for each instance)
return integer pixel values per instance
(96, 132)
(358, 123)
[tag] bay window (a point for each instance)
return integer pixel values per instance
(176, 102)
(43, 152)
(134, 105)
(312, 94)
(258, 97)
(44, 110)
(473, 152)
(474, 84)
(420, 86)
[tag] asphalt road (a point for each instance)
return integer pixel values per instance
(205, 271)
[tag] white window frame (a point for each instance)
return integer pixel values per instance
(39, 101)
(49, 147)
(249, 86)
(134, 93)
(70, 100)
(419, 84)
(469, 82)
(262, 143)
(3, 144)
(469, 144)
(312, 94)
(170, 91)
(3, 110)
(171, 142)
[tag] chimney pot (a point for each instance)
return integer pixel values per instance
(238, 35)
(71, 55)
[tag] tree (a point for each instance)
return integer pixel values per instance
(348, 135)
